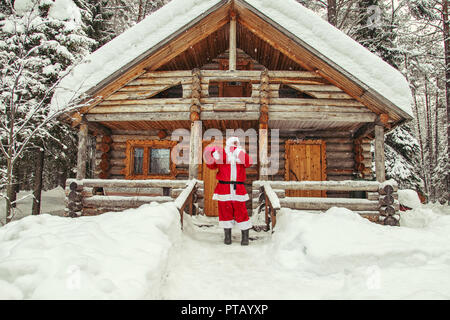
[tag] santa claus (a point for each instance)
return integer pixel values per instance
(230, 191)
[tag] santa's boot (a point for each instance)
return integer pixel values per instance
(244, 241)
(227, 236)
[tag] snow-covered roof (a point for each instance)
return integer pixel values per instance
(331, 44)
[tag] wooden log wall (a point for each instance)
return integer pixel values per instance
(93, 197)
(339, 154)
(117, 153)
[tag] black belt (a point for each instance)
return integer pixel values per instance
(231, 182)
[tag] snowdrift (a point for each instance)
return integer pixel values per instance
(340, 240)
(112, 256)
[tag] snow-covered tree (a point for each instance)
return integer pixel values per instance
(402, 158)
(39, 41)
(97, 16)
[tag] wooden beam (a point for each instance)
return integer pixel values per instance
(195, 150)
(323, 116)
(211, 115)
(82, 150)
(380, 169)
(151, 116)
(232, 51)
(346, 185)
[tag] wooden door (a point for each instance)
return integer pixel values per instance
(210, 207)
(305, 161)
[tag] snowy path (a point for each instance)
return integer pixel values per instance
(202, 267)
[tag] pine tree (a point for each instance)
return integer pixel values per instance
(402, 158)
(97, 16)
(376, 32)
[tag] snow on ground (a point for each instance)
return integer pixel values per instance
(334, 255)
(142, 254)
(112, 256)
(52, 203)
(409, 198)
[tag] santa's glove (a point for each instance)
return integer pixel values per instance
(244, 159)
(240, 155)
(207, 154)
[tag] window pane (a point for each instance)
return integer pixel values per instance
(159, 161)
(138, 160)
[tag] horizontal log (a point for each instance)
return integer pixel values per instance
(208, 115)
(156, 116)
(140, 108)
(165, 101)
(308, 203)
(119, 183)
(316, 88)
(324, 116)
(293, 74)
(315, 134)
(348, 185)
(311, 108)
(215, 100)
(316, 102)
(230, 74)
(122, 202)
(373, 195)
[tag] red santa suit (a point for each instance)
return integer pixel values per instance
(230, 191)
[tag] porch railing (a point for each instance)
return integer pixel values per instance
(95, 196)
(382, 208)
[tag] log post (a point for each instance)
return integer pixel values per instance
(263, 150)
(82, 151)
(75, 199)
(379, 154)
(232, 58)
(264, 124)
(195, 150)
(196, 94)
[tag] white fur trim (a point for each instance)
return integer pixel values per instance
(244, 225)
(230, 141)
(229, 224)
(230, 197)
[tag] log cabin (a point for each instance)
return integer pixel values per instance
(196, 69)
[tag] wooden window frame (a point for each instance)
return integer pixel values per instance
(148, 145)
